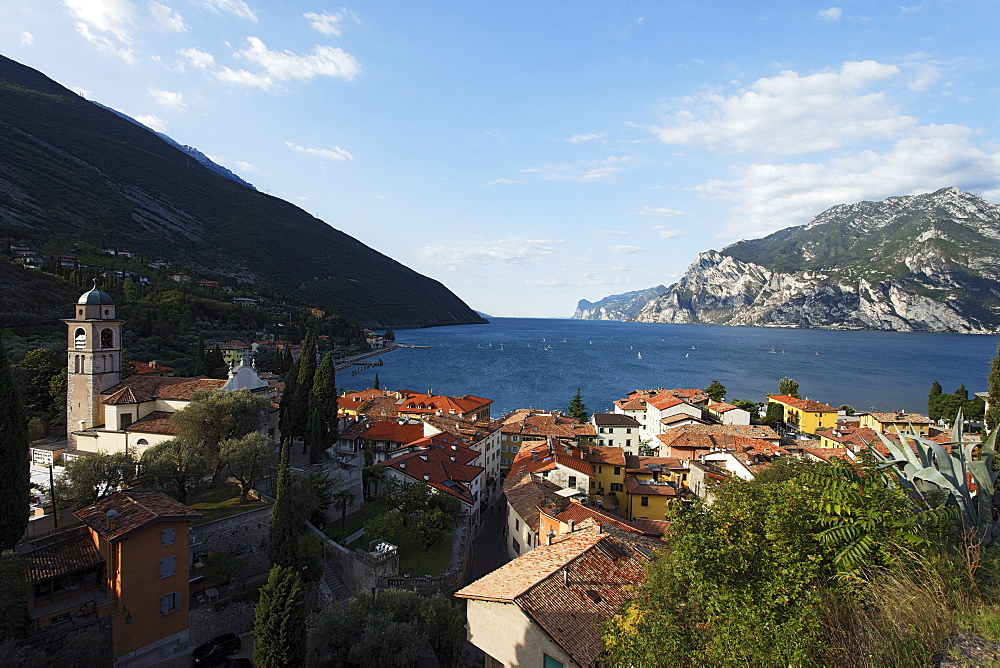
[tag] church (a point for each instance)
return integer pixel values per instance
(105, 413)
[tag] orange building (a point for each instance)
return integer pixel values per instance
(129, 562)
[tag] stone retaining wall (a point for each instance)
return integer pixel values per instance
(244, 535)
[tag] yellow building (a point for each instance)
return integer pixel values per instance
(653, 487)
(896, 423)
(129, 562)
(607, 486)
(806, 415)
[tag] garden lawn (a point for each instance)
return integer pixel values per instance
(413, 559)
(220, 501)
(352, 523)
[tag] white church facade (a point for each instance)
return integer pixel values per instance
(107, 414)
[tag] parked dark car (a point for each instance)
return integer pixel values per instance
(216, 648)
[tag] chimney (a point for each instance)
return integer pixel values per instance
(402, 465)
(572, 526)
(427, 476)
(152, 365)
(110, 517)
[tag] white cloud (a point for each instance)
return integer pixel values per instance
(242, 78)
(246, 166)
(27, 38)
(153, 122)
(324, 22)
(166, 17)
(110, 16)
(667, 232)
(336, 153)
(832, 14)
(166, 98)
(285, 65)
(622, 249)
(503, 181)
(582, 171)
(235, 7)
(605, 233)
(770, 197)
(106, 44)
(579, 139)
(508, 251)
(197, 58)
(659, 211)
(790, 113)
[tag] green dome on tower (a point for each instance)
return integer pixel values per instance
(95, 296)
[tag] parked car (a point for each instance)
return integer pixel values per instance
(216, 648)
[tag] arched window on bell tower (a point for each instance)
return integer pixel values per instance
(80, 338)
(107, 338)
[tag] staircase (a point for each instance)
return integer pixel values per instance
(332, 587)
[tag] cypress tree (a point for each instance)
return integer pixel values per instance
(934, 402)
(285, 413)
(303, 390)
(323, 408)
(198, 366)
(283, 548)
(375, 383)
(13, 458)
(279, 625)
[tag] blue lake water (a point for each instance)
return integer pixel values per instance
(507, 361)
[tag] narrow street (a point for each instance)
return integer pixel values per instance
(488, 553)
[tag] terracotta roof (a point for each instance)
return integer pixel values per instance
(235, 344)
(530, 423)
(434, 466)
(615, 420)
(525, 491)
(634, 464)
(899, 418)
(147, 367)
(748, 430)
(537, 456)
(428, 403)
(649, 487)
(391, 430)
(721, 407)
(157, 422)
(632, 404)
(664, 401)
(653, 527)
(807, 405)
(578, 512)
(826, 454)
(606, 454)
(150, 388)
(680, 417)
(74, 553)
(136, 510)
(569, 588)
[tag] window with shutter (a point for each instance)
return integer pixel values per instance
(168, 566)
(167, 536)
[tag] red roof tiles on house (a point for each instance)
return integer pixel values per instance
(135, 511)
(157, 422)
(76, 552)
(150, 388)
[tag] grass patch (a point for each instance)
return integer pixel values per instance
(413, 559)
(352, 523)
(220, 501)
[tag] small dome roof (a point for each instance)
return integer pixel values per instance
(95, 296)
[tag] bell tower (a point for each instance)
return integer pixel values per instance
(94, 359)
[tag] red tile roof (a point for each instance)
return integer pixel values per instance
(577, 512)
(606, 454)
(807, 405)
(899, 418)
(538, 456)
(137, 389)
(136, 510)
(157, 422)
(75, 552)
(434, 466)
(147, 367)
(649, 487)
(569, 588)
(524, 492)
(530, 423)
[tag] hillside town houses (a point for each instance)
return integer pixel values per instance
(576, 507)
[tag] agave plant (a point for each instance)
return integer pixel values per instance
(924, 469)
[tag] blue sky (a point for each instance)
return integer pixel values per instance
(530, 154)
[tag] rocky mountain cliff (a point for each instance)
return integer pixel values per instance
(617, 307)
(72, 170)
(926, 262)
